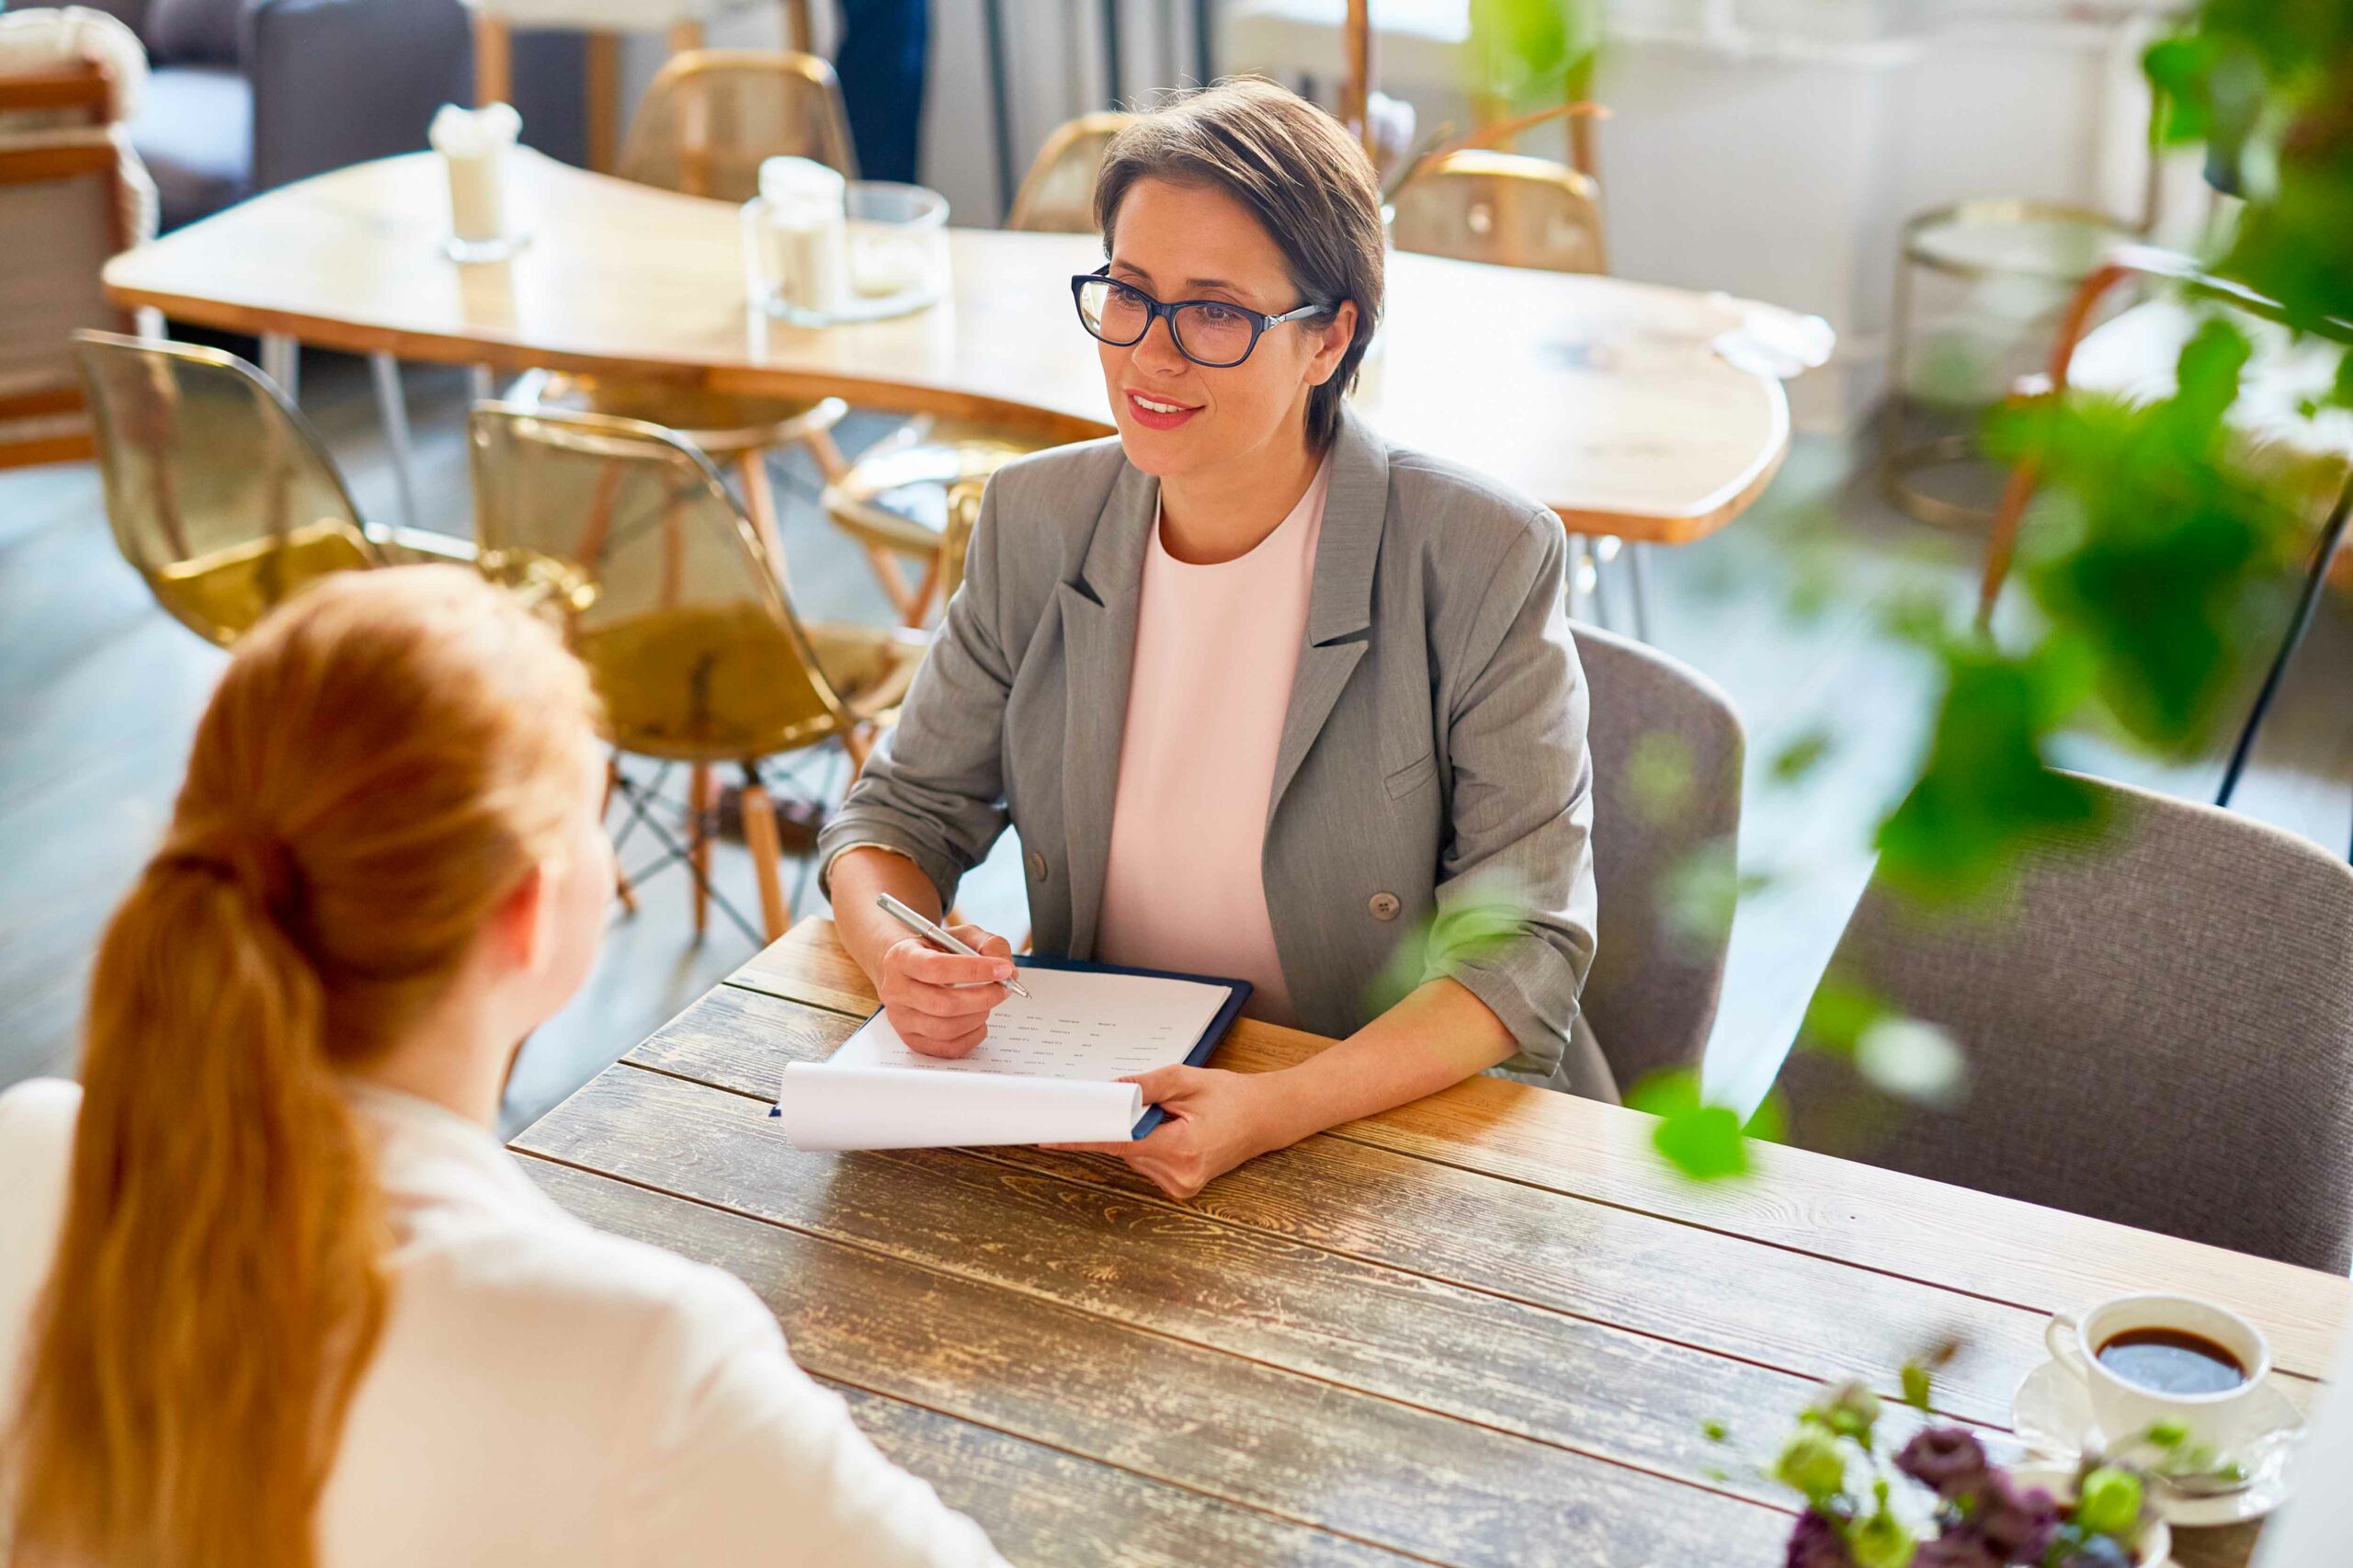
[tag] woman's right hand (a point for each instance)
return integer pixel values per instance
(940, 1002)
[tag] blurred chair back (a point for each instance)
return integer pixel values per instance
(663, 587)
(2157, 1023)
(67, 175)
(1504, 207)
(1667, 749)
(218, 491)
(1057, 196)
(714, 115)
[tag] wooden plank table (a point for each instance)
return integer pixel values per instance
(1487, 1327)
(1599, 396)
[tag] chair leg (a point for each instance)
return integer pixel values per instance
(601, 65)
(2332, 535)
(393, 405)
(858, 741)
(893, 581)
(621, 889)
(494, 61)
(828, 453)
(699, 802)
(759, 499)
(760, 838)
(927, 593)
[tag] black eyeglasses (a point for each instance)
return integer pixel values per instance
(1214, 332)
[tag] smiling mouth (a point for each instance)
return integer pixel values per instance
(1158, 414)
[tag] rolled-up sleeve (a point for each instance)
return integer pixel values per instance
(934, 789)
(1523, 808)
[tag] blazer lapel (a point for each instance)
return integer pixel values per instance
(1099, 618)
(1339, 604)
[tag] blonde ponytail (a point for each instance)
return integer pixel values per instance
(385, 761)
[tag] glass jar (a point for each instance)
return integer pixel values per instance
(796, 242)
(898, 246)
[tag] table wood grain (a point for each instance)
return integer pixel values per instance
(1487, 1328)
(1599, 396)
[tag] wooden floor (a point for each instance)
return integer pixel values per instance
(99, 692)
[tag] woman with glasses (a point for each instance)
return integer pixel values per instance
(1263, 696)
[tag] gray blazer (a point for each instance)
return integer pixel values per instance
(1433, 754)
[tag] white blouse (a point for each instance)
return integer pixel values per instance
(543, 1392)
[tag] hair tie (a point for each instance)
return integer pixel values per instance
(260, 864)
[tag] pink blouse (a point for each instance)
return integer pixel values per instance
(1216, 649)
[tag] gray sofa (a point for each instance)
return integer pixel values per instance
(245, 95)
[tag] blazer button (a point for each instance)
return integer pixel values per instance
(1384, 905)
(1037, 866)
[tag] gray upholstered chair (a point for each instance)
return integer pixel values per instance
(1667, 810)
(1667, 748)
(2158, 1027)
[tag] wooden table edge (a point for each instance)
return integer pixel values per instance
(1050, 426)
(1652, 1471)
(815, 932)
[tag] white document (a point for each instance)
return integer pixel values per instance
(1048, 1073)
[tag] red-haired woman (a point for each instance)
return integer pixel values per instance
(271, 1295)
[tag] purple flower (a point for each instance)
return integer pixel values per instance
(1815, 1544)
(1963, 1548)
(1947, 1459)
(2017, 1525)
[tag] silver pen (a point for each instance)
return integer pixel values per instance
(931, 932)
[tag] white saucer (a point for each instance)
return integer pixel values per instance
(2052, 1416)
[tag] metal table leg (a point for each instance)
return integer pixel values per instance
(1580, 601)
(281, 361)
(1638, 566)
(386, 372)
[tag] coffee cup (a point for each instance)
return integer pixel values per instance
(2186, 1370)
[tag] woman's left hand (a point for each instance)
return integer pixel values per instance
(1216, 1120)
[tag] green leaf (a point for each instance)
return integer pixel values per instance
(1714, 1431)
(2109, 1501)
(1916, 1385)
(1986, 792)
(1811, 1465)
(1801, 756)
(1838, 1015)
(2177, 68)
(1701, 1141)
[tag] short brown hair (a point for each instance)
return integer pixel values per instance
(1306, 179)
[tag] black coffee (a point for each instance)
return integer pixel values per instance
(2170, 1361)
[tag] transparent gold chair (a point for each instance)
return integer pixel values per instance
(897, 499)
(712, 115)
(1057, 196)
(217, 489)
(667, 591)
(1477, 204)
(708, 121)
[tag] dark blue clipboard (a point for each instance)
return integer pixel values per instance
(1237, 993)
